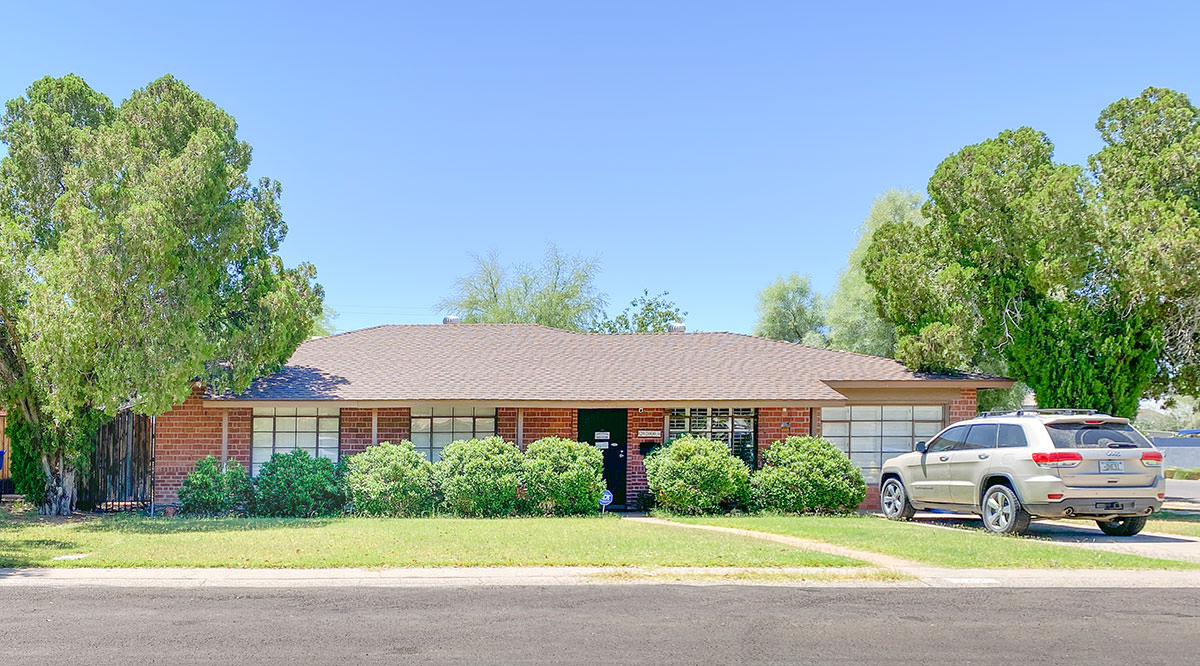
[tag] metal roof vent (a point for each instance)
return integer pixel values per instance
(451, 319)
(676, 327)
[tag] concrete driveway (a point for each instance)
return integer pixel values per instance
(1087, 535)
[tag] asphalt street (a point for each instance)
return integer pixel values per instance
(598, 625)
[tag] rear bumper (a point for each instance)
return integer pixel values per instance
(1094, 507)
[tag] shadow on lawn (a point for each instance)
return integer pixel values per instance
(25, 553)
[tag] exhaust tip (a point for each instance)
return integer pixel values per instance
(1069, 511)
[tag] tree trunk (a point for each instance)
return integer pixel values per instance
(60, 485)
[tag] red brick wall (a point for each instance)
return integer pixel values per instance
(392, 425)
(770, 425)
(539, 422)
(506, 424)
(965, 407)
(635, 470)
(187, 433)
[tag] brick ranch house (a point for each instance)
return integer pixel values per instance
(433, 384)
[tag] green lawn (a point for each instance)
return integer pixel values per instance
(132, 541)
(958, 548)
(1186, 524)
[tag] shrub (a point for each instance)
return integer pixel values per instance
(24, 466)
(563, 477)
(480, 477)
(297, 485)
(207, 491)
(807, 474)
(696, 475)
(389, 480)
(1169, 473)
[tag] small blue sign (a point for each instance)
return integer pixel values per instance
(606, 498)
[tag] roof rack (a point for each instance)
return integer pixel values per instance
(1040, 412)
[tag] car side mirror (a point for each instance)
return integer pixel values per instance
(920, 448)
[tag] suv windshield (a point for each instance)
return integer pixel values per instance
(1096, 436)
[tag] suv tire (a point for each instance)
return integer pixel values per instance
(1122, 526)
(1002, 512)
(893, 499)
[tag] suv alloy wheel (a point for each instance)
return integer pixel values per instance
(1002, 511)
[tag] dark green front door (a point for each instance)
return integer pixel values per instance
(606, 429)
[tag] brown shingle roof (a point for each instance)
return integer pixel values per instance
(522, 362)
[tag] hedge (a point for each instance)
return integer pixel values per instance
(389, 480)
(807, 475)
(697, 475)
(563, 477)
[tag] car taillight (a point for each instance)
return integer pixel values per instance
(1057, 458)
(1152, 458)
(1054, 496)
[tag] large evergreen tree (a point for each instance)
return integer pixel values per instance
(138, 257)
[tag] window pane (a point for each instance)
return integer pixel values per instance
(420, 425)
(263, 439)
(306, 411)
(927, 412)
(331, 454)
(898, 428)
(485, 427)
(865, 459)
(306, 440)
(329, 425)
(1011, 436)
(464, 425)
(285, 423)
(897, 444)
(306, 424)
(866, 412)
(263, 424)
(835, 413)
(835, 428)
(264, 411)
(420, 439)
(421, 411)
(259, 456)
(719, 423)
(285, 411)
(865, 428)
(842, 443)
(435, 455)
(865, 444)
(897, 413)
(980, 437)
(329, 411)
(285, 440)
(926, 429)
(442, 424)
(871, 475)
(328, 439)
(485, 411)
(699, 420)
(443, 411)
(442, 438)
(743, 424)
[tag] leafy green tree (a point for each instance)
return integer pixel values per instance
(789, 309)
(560, 292)
(645, 314)
(139, 257)
(1068, 277)
(853, 320)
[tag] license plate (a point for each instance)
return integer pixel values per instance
(1112, 506)
(1112, 466)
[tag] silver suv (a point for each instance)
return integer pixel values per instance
(1010, 467)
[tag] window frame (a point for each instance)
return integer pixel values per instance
(723, 435)
(320, 416)
(428, 448)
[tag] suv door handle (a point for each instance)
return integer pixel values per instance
(984, 456)
(943, 458)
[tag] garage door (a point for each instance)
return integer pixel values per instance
(871, 434)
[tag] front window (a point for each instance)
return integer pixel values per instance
(733, 426)
(435, 427)
(284, 429)
(873, 434)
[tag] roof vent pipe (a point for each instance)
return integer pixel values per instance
(676, 327)
(451, 319)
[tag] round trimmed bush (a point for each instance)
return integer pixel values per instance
(207, 491)
(480, 477)
(389, 480)
(807, 475)
(563, 477)
(696, 475)
(297, 485)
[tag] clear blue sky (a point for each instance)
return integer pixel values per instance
(698, 147)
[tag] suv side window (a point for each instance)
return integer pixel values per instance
(1011, 436)
(981, 437)
(948, 440)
